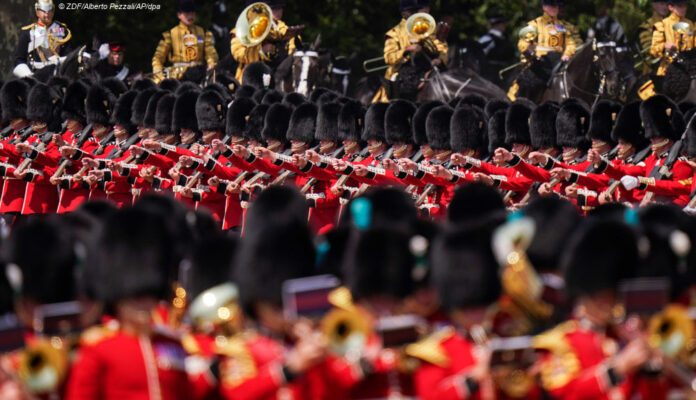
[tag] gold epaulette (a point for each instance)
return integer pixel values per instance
(238, 365)
(25, 28)
(562, 365)
(96, 334)
(430, 349)
(188, 342)
(686, 182)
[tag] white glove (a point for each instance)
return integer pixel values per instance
(22, 71)
(690, 210)
(629, 182)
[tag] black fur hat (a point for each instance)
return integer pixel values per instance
(494, 105)
(133, 258)
(74, 102)
(628, 126)
(602, 119)
(316, 93)
(277, 246)
(244, 91)
(184, 114)
(169, 84)
(100, 104)
(555, 221)
(302, 123)
(210, 111)
(437, 127)
(397, 121)
(661, 118)
(599, 255)
(419, 118)
(59, 83)
(517, 122)
(294, 99)
(139, 108)
(187, 86)
(374, 122)
(474, 100)
(468, 128)
(116, 86)
(164, 114)
(44, 251)
(380, 262)
(351, 121)
(255, 74)
(220, 89)
(496, 130)
(237, 116)
(44, 105)
(149, 120)
(259, 94)
(572, 123)
(686, 105)
(465, 272)
(327, 97)
(276, 122)
(13, 97)
(542, 125)
(254, 125)
(476, 202)
(123, 110)
(272, 96)
(327, 122)
(142, 84)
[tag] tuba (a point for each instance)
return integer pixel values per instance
(681, 29)
(217, 310)
(345, 327)
(528, 33)
(44, 365)
(420, 26)
(254, 24)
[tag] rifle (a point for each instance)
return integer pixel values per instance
(286, 174)
(118, 151)
(84, 135)
(216, 154)
(23, 135)
(104, 142)
(313, 181)
(665, 170)
(6, 131)
(363, 188)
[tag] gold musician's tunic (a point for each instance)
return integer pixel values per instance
(645, 38)
(663, 32)
(247, 55)
(553, 34)
(395, 47)
(184, 47)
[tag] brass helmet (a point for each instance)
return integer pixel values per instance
(44, 5)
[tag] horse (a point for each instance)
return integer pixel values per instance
(299, 72)
(598, 70)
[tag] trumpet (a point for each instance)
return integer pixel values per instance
(681, 29)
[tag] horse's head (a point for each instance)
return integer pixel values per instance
(340, 71)
(605, 59)
(305, 68)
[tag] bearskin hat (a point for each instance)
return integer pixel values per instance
(661, 118)
(327, 122)
(142, 84)
(476, 202)
(602, 120)
(271, 97)
(555, 221)
(169, 84)
(254, 125)
(44, 105)
(302, 123)
(100, 104)
(237, 116)
(493, 105)
(74, 102)
(258, 75)
(374, 122)
(419, 118)
(123, 111)
(276, 122)
(542, 125)
(294, 99)
(628, 126)
(397, 121)
(164, 114)
(139, 108)
(351, 121)
(13, 97)
(210, 111)
(185, 111)
(149, 120)
(468, 128)
(187, 86)
(496, 131)
(244, 91)
(437, 127)
(572, 123)
(517, 122)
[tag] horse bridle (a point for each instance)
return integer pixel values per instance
(602, 74)
(303, 84)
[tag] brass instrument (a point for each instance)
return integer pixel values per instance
(217, 310)
(681, 29)
(378, 62)
(345, 327)
(44, 365)
(529, 34)
(420, 26)
(254, 24)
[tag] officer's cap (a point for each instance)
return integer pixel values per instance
(44, 5)
(186, 6)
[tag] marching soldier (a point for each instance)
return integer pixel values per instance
(669, 39)
(660, 12)
(399, 46)
(278, 44)
(42, 43)
(186, 45)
